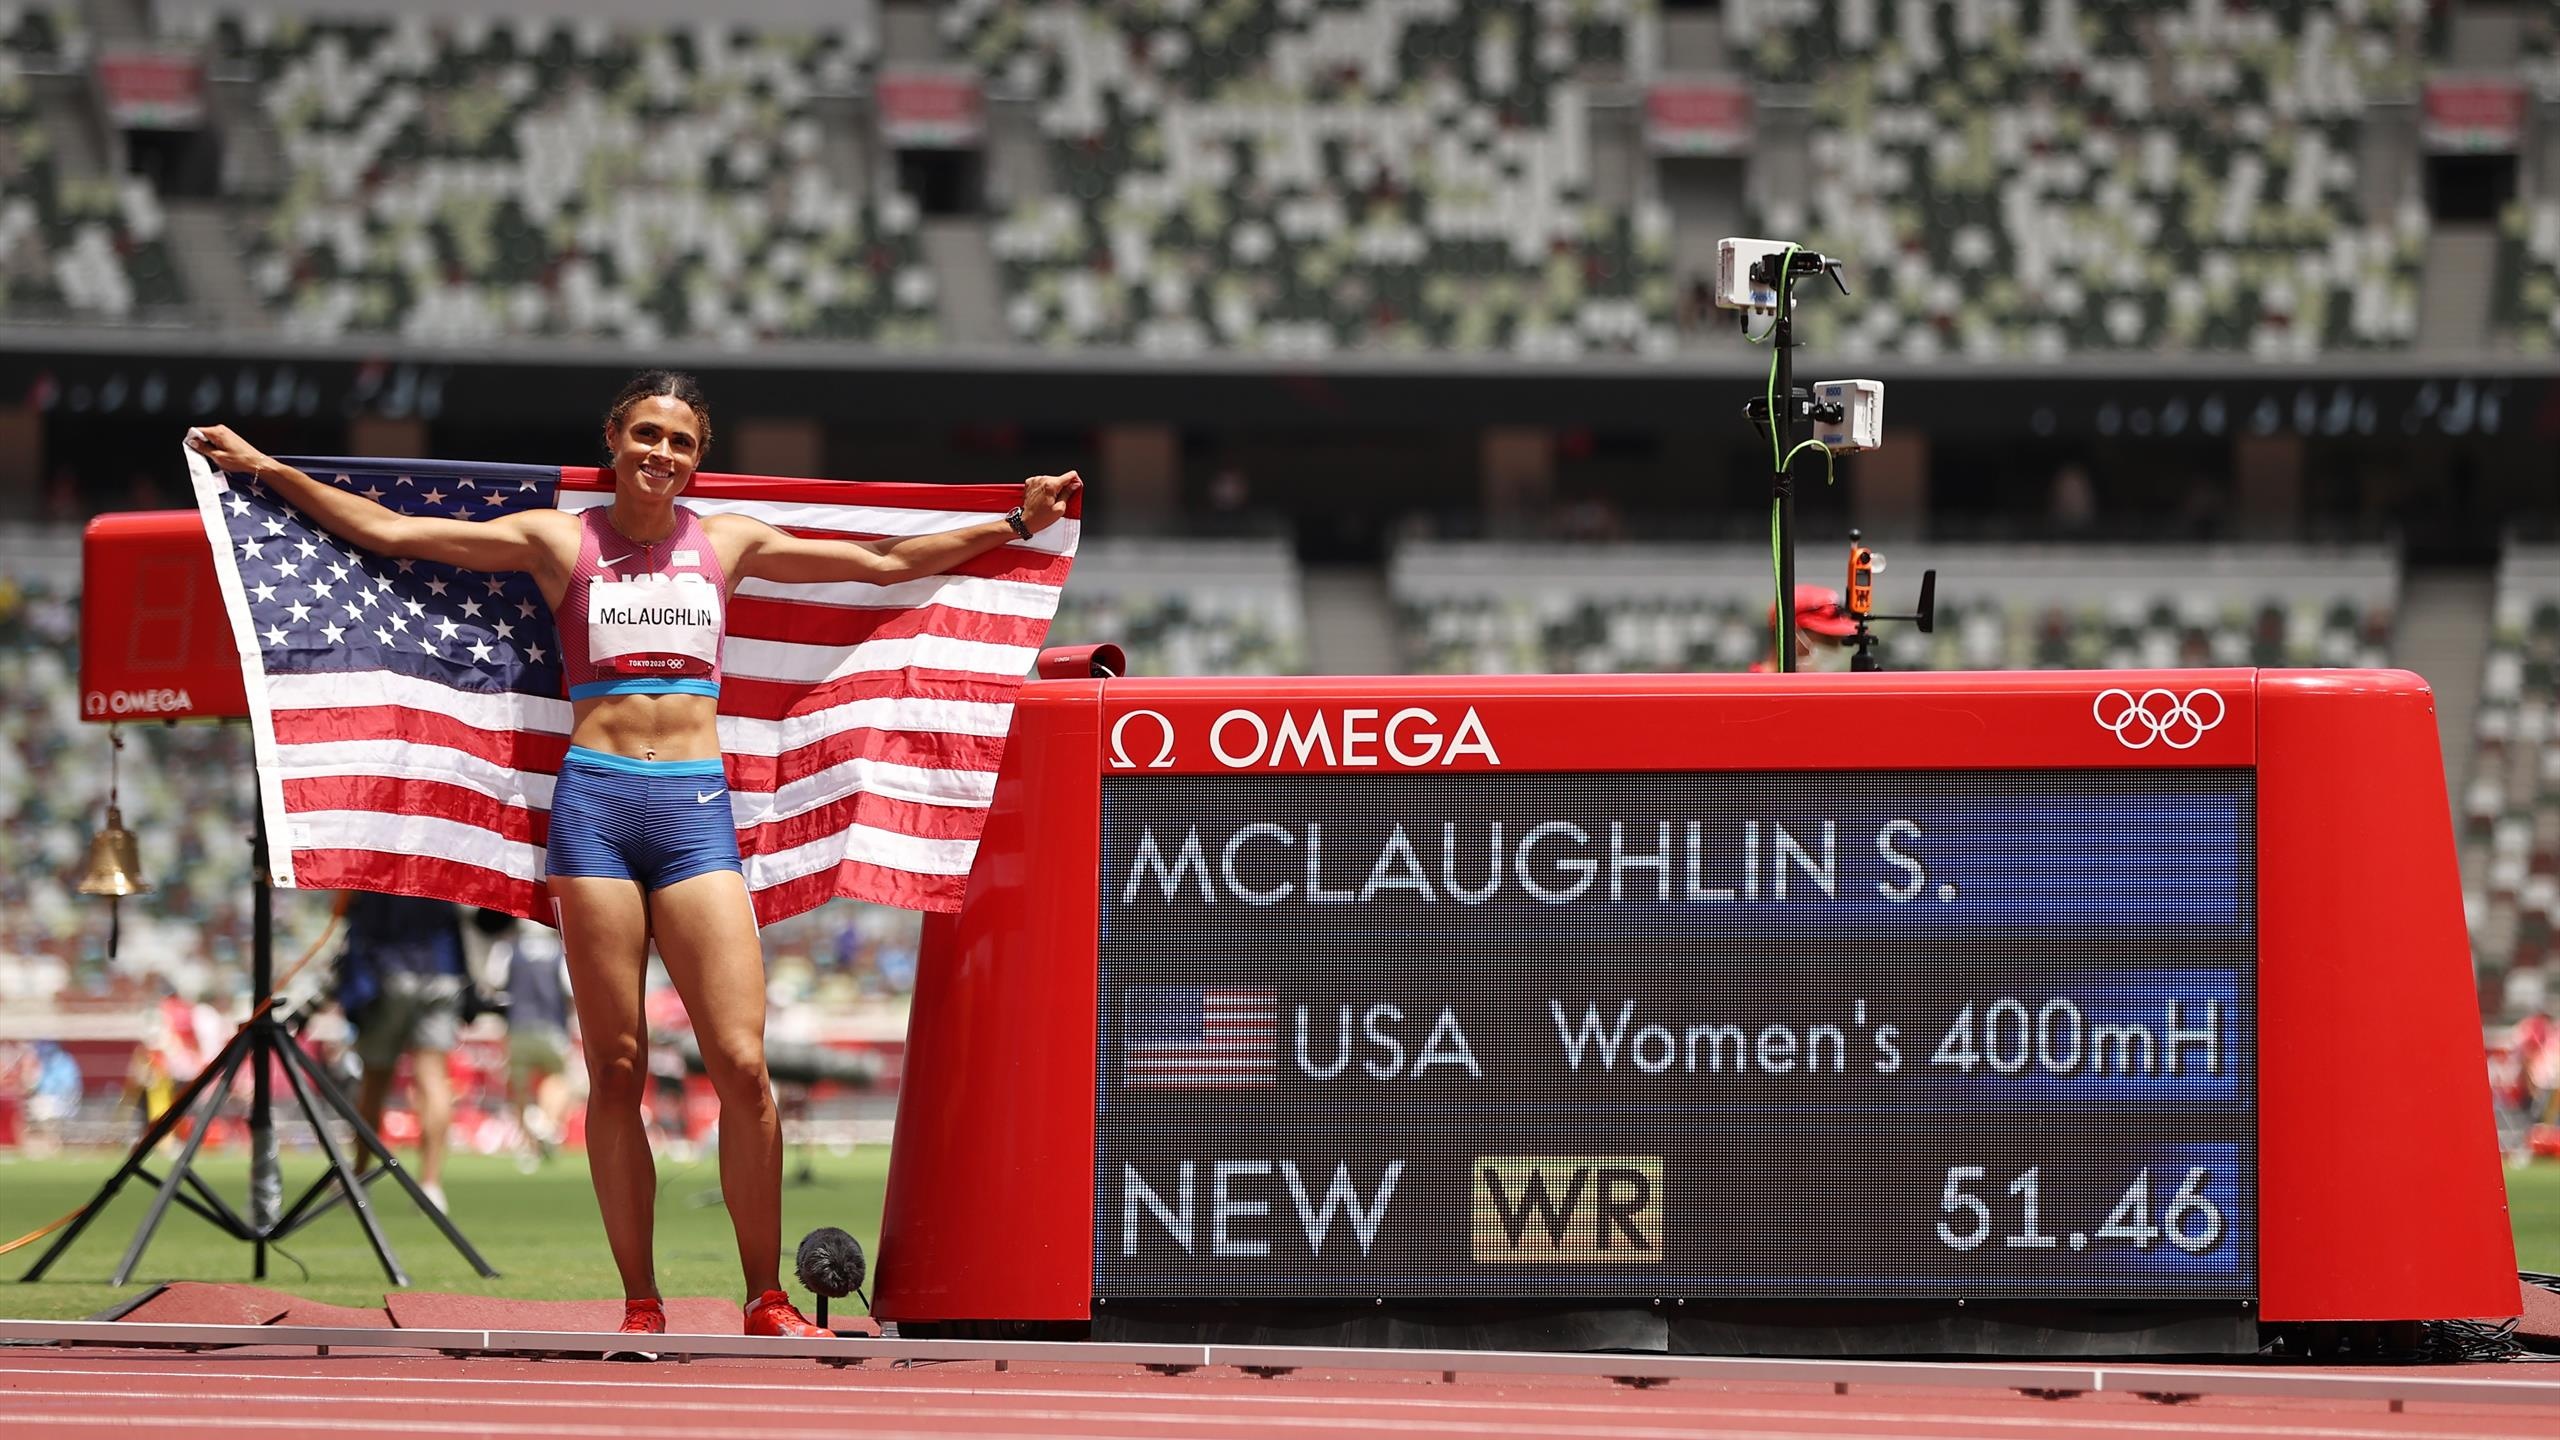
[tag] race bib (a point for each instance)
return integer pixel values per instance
(656, 625)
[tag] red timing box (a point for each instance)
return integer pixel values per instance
(155, 637)
(1164, 826)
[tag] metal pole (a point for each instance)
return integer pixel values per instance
(1782, 433)
(266, 1181)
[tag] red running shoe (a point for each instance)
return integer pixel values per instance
(772, 1313)
(640, 1317)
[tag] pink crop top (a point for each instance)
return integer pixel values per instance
(643, 619)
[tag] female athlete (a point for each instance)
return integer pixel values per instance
(640, 591)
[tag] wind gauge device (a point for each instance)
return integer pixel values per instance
(1859, 599)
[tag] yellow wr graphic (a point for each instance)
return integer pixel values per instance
(1564, 1209)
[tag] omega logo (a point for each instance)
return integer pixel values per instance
(1119, 741)
(136, 702)
(1351, 738)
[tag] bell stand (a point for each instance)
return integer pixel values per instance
(267, 1047)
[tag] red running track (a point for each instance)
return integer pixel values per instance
(48, 1393)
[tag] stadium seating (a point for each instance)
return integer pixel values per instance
(2525, 290)
(1510, 609)
(1301, 179)
(2527, 285)
(1189, 607)
(71, 247)
(2538, 50)
(2015, 181)
(468, 180)
(2510, 809)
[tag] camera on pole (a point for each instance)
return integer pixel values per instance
(1758, 277)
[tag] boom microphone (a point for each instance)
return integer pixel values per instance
(831, 1266)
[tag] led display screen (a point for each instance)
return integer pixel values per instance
(1921, 1034)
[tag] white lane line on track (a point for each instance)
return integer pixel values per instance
(269, 1427)
(702, 1379)
(1049, 1421)
(1706, 1429)
(1616, 1427)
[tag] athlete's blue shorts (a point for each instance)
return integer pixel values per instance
(654, 821)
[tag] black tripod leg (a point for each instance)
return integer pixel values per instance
(319, 1200)
(382, 1153)
(345, 1172)
(160, 1130)
(232, 1055)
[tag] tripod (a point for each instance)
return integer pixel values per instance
(265, 1046)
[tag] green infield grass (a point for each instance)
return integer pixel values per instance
(2533, 1197)
(539, 1231)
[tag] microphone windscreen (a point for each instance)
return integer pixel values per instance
(831, 1263)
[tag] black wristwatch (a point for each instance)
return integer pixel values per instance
(1013, 517)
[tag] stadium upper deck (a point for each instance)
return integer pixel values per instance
(1419, 180)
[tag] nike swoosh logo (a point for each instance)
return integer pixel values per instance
(706, 799)
(616, 560)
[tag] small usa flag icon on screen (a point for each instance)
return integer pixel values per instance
(1200, 1038)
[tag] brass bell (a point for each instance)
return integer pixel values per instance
(115, 864)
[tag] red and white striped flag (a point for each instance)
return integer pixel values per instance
(409, 717)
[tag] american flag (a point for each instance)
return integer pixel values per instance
(409, 716)
(1183, 1037)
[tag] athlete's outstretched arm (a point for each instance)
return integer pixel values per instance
(778, 555)
(508, 542)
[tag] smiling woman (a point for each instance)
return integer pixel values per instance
(643, 846)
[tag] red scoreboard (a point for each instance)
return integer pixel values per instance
(2121, 1000)
(155, 638)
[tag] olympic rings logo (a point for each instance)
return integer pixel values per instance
(2173, 720)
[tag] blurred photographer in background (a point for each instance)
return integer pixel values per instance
(403, 984)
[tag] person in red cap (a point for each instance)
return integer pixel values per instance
(1823, 627)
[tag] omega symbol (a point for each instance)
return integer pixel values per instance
(1119, 746)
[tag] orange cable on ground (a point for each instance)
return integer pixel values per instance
(336, 914)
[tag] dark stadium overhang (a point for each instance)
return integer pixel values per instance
(184, 374)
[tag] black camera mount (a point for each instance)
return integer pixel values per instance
(1778, 272)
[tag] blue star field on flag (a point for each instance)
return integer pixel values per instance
(320, 606)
